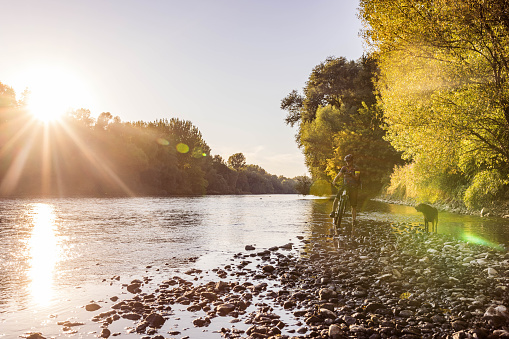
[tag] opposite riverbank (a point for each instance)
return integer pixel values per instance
(383, 282)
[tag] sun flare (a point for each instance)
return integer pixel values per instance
(53, 91)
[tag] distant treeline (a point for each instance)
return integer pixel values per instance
(83, 156)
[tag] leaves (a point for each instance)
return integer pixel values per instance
(338, 115)
(443, 85)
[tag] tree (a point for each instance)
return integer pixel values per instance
(338, 115)
(303, 184)
(444, 81)
(82, 156)
(103, 120)
(192, 152)
(8, 103)
(237, 161)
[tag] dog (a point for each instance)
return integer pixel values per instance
(430, 216)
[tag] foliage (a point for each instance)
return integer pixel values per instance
(443, 86)
(485, 187)
(303, 184)
(338, 115)
(237, 161)
(106, 157)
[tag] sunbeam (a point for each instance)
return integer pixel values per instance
(11, 178)
(97, 162)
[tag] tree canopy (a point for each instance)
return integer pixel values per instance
(81, 155)
(337, 115)
(444, 88)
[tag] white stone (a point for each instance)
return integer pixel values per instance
(492, 272)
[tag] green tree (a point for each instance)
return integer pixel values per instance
(237, 161)
(192, 153)
(338, 115)
(303, 184)
(84, 156)
(443, 83)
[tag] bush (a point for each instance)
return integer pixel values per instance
(485, 187)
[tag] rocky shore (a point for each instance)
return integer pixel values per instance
(383, 282)
(498, 208)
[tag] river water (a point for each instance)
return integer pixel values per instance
(57, 255)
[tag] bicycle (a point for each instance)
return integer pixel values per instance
(340, 212)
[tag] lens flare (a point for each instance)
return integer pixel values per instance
(320, 188)
(162, 141)
(182, 148)
(471, 238)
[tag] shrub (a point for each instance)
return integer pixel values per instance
(485, 186)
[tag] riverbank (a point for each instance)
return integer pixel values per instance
(495, 209)
(381, 283)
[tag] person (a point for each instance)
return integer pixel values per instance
(351, 180)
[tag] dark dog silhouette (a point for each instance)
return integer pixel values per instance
(430, 216)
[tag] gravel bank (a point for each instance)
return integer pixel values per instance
(384, 282)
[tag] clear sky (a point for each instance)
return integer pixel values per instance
(224, 65)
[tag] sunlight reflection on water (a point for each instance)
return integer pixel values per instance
(43, 253)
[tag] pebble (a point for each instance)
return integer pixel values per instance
(385, 281)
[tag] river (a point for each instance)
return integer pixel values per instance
(57, 255)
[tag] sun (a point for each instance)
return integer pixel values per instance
(52, 91)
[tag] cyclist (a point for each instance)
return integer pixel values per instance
(351, 181)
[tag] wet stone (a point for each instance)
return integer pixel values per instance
(131, 316)
(105, 333)
(92, 307)
(377, 284)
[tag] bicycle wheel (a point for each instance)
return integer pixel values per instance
(335, 227)
(348, 228)
(340, 212)
(335, 221)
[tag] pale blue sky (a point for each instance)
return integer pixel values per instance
(224, 65)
